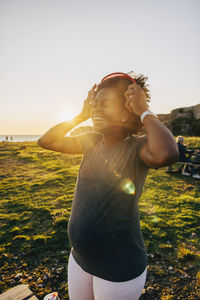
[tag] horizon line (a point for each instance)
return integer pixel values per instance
(21, 133)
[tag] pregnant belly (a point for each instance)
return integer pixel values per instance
(88, 237)
(97, 222)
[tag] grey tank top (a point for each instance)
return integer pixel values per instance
(104, 225)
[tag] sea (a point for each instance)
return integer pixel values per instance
(19, 138)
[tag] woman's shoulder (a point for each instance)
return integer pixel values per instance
(89, 139)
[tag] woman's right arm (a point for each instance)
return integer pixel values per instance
(54, 139)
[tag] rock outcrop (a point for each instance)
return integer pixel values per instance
(183, 121)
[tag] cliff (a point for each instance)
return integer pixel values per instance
(183, 121)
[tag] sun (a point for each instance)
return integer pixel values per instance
(66, 115)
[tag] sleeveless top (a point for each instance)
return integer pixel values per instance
(104, 225)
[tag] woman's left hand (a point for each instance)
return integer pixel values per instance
(136, 100)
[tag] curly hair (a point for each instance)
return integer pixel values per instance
(122, 83)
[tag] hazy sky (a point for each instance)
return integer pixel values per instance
(53, 51)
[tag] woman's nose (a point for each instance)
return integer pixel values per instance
(96, 105)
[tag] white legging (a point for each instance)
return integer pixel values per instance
(84, 286)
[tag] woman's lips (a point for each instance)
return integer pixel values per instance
(97, 119)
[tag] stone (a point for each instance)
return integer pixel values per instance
(196, 112)
(149, 289)
(30, 278)
(183, 121)
(193, 234)
(59, 270)
(18, 275)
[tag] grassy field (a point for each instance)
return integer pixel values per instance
(36, 192)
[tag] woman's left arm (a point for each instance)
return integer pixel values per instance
(160, 149)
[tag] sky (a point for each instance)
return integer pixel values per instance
(53, 51)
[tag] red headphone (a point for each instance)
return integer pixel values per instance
(118, 74)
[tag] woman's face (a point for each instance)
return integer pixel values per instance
(109, 111)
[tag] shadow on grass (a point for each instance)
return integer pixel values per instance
(33, 232)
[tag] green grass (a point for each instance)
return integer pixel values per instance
(36, 192)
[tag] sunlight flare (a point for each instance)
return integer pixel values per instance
(127, 186)
(66, 115)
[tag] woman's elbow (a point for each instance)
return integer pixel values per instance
(166, 159)
(172, 157)
(169, 157)
(42, 143)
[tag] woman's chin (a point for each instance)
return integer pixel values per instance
(99, 126)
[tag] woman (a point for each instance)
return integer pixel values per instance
(108, 258)
(183, 158)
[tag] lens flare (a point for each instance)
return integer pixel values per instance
(155, 219)
(117, 174)
(127, 186)
(66, 115)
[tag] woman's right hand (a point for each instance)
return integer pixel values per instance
(88, 103)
